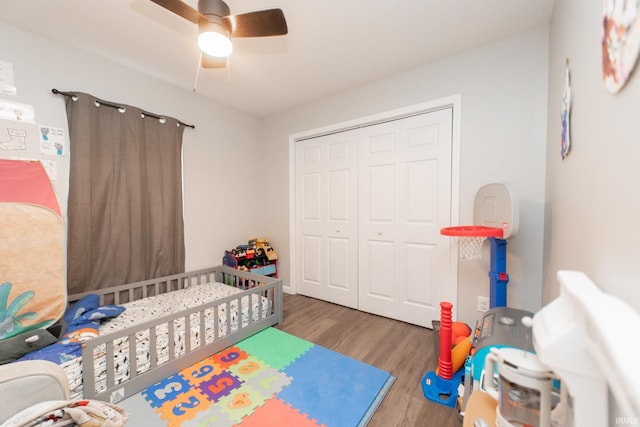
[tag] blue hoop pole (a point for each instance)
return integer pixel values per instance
(498, 277)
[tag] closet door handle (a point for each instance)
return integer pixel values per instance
(379, 233)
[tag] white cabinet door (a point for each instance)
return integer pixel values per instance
(404, 200)
(327, 218)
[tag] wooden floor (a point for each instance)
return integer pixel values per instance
(405, 351)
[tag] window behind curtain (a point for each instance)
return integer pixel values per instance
(125, 195)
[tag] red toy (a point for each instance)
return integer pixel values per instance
(445, 369)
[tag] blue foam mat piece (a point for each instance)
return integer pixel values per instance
(318, 391)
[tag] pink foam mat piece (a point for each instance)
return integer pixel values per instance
(276, 413)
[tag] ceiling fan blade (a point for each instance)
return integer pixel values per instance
(209, 61)
(262, 23)
(180, 8)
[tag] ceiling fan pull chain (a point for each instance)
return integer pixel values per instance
(195, 84)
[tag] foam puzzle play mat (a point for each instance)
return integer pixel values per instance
(271, 379)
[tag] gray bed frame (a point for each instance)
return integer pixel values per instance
(252, 284)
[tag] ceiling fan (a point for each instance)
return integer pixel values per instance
(216, 25)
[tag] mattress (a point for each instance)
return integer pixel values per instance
(137, 312)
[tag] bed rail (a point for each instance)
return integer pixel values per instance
(134, 291)
(266, 290)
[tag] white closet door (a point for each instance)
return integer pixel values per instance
(326, 218)
(404, 199)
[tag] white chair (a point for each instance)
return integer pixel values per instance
(24, 384)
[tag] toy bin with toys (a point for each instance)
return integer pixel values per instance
(257, 257)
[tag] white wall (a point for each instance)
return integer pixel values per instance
(503, 134)
(237, 167)
(218, 213)
(592, 197)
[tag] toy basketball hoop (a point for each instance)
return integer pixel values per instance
(496, 213)
(471, 237)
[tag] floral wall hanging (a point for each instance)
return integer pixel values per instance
(620, 41)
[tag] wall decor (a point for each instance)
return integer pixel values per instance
(565, 115)
(620, 41)
(7, 82)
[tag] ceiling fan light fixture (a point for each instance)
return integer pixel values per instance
(213, 39)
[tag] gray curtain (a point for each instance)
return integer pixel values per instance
(125, 195)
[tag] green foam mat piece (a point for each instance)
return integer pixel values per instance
(275, 347)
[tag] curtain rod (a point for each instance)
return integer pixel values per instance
(108, 104)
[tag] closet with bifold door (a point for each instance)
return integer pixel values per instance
(369, 205)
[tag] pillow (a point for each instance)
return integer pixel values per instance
(87, 326)
(80, 307)
(98, 313)
(82, 328)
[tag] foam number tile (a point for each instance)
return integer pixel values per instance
(248, 368)
(266, 383)
(270, 381)
(229, 357)
(239, 400)
(201, 371)
(219, 386)
(241, 403)
(185, 407)
(166, 390)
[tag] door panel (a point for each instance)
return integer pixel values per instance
(419, 258)
(326, 218)
(311, 269)
(405, 194)
(380, 255)
(339, 267)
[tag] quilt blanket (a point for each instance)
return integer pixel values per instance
(33, 292)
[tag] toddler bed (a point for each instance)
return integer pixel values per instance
(168, 324)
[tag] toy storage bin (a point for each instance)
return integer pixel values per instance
(264, 270)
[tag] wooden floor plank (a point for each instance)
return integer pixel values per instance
(405, 351)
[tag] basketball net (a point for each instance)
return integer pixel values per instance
(470, 247)
(470, 238)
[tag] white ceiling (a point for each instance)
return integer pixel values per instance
(332, 45)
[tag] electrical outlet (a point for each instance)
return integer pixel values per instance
(483, 304)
